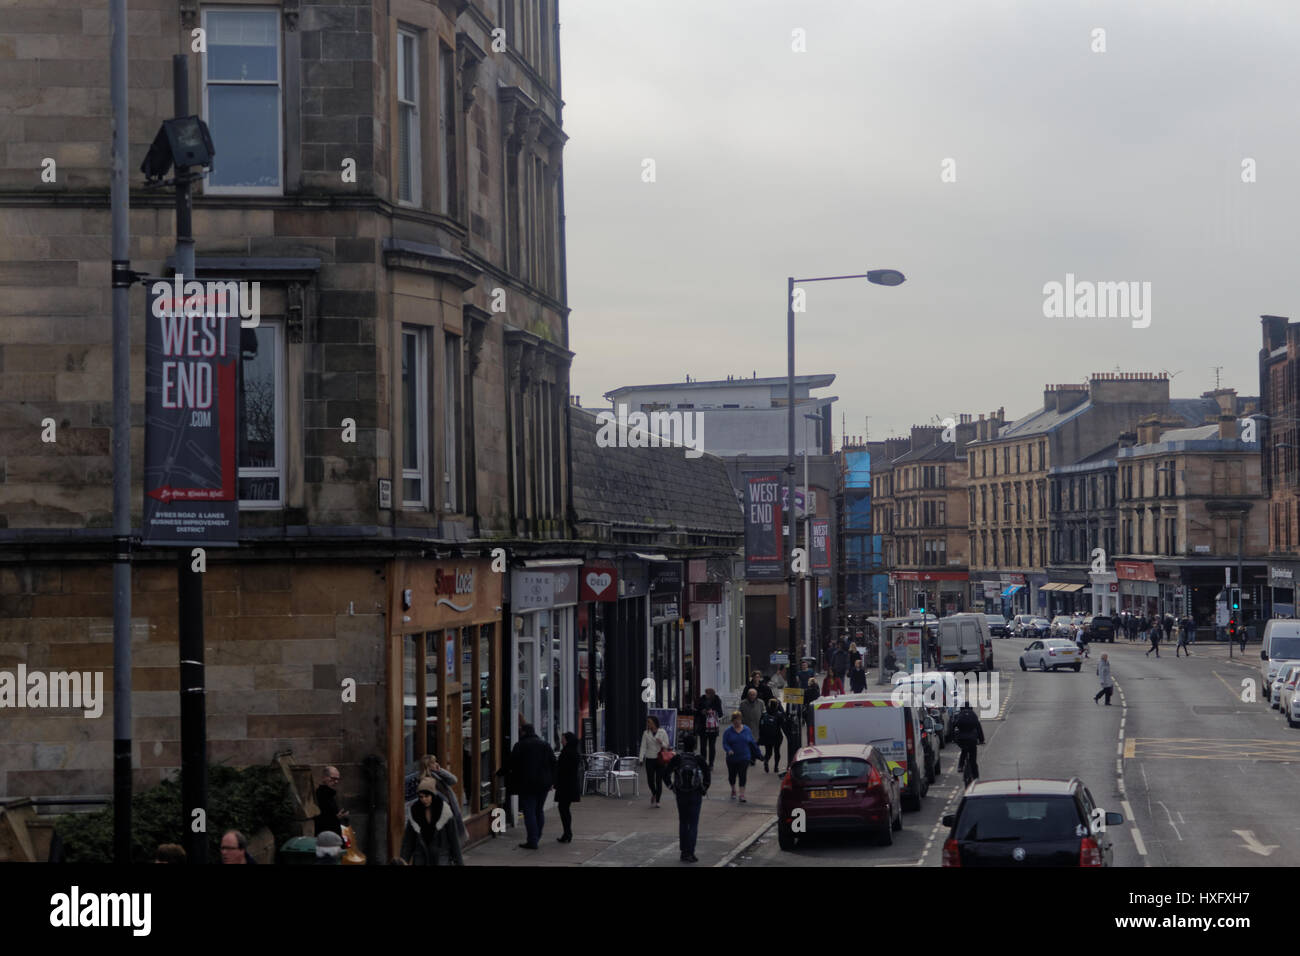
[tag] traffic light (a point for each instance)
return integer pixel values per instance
(1236, 599)
(1232, 627)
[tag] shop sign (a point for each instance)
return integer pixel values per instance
(1135, 570)
(455, 589)
(598, 583)
(1282, 576)
(706, 593)
(665, 577)
(540, 590)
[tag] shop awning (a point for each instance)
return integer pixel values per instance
(1050, 587)
(552, 562)
(650, 557)
(1012, 590)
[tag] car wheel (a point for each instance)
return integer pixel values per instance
(1289, 721)
(1042, 664)
(1023, 665)
(1078, 667)
(938, 769)
(885, 835)
(898, 821)
(784, 836)
(911, 802)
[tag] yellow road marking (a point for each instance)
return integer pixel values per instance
(1193, 748)
(1130, 747)
(1236, 697)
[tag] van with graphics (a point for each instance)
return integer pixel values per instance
(893, 728)
(965, 643)
(1281, 646)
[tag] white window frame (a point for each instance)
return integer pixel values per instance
(447, 139)
(416, 171)
(278, 190)
(452, 423)
(278, 471)
(421, 472)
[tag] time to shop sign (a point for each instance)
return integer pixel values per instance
(192, 347)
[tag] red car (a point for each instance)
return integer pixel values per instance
(839, 787)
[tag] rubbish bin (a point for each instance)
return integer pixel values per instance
(298, 850)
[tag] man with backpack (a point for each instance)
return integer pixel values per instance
(688, 776)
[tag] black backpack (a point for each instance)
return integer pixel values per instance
(688, 777)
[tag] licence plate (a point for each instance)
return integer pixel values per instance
(827, 794)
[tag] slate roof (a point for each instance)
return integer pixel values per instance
(1194, 411)
(653, 488)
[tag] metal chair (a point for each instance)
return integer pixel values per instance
(596, 772)
(625, 768)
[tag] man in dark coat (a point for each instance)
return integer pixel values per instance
(688, 777)
(529, 776)
(330, 818)
(840, 661)
(568, 783)
(857, 678)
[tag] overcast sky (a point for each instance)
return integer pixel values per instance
(1123, 165)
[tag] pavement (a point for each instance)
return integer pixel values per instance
(626, 831)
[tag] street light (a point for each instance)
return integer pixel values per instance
(886, 277)
(807, 540)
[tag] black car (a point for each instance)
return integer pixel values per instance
(1101, 629)
(1029, 823)
(998, 626)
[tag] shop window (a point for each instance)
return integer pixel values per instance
(419, 724)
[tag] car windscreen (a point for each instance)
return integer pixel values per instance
(1284, 649)
(1019, 818)
(826, 769)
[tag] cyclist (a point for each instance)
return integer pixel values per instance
(969, 735)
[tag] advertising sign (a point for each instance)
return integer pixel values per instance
(906, 642)
(763, 523)
(192, 350)
(821, 549)
(665, 578)
(598, 583)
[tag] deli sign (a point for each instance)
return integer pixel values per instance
(598, 582)
(454, 589)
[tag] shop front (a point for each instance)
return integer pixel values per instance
(672, 659)
(445, 659)
(611, 625)
(1139, 592)
(707, 622)
(943, 592)
(544, 662)
(1281, 590)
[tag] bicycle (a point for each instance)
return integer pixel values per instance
(968, 774)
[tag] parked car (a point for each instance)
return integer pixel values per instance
(1029, 822)
(939, 692)
(1281, 646)
(998, 626)
(1051, 654)
(840, 786)
(891, 726)
(1285, 673)
(1042, 629)
(1286, 679)
(1063, 626)
(1019, 623)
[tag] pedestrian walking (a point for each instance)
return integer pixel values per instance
(430, 838)
(857, 678)
(810, 694)
(446, 781)
(1184, 638)
(805, 672)
(755, 682)
(777, 681)
(530, 774)
(689, 777)
(568, 784)
(708, 718)
(1168, 626)
(741, 751)
(330, 818)
(751, 712)
(832, 685)
(653, 741)
(771, 734)
(854, 655)
(1107, 682)
(790, 724)
(840, 661)
(1155, 639)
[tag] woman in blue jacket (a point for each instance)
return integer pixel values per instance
(741, 750)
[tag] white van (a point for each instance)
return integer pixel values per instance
(965, 643)
(1281, 646)
(891, 727)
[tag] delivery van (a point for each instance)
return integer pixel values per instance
(1281, 646)
(893, 728)
(965, 643)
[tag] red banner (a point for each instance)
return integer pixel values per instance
(1135, 570)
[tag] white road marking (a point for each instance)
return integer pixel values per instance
(1137, 840)
(1252, 843)
(1170, 817)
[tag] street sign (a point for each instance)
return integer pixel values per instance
(792, 695)
(778, 658)
(192, 354)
